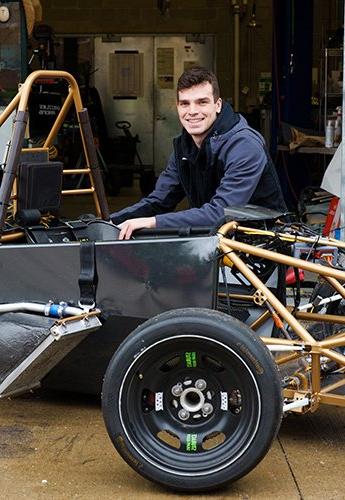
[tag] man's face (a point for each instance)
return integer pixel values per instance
(197, 110)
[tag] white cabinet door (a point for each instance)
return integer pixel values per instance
(139, 111)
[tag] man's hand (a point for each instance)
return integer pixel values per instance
(131, 225)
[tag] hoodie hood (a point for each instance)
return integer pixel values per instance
(226, 121)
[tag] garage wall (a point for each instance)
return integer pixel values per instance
(328, 17)
(186, 16)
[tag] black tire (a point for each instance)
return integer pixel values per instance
(174, 352)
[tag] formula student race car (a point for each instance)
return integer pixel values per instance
(186, 333)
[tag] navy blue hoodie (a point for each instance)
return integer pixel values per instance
(231, 168)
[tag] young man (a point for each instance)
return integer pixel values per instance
(218, 161)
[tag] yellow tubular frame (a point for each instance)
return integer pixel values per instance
(20, 103)
(312, 349)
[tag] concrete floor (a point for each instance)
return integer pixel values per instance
(55, 446)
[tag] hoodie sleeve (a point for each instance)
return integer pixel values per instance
(167, 194)
(244, 161)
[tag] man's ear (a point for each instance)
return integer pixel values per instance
(219, 103)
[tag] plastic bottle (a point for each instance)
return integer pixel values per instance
(329, 139)
(338, 127)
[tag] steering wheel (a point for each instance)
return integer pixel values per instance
(123, 125)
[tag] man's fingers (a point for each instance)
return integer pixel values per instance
(123, 233)
(127, 227)
(126, 231)
(129, 232)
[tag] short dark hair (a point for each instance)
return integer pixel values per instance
(195, 76)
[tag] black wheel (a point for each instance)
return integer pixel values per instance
(192, 399)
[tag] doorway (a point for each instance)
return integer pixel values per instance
(136, 77)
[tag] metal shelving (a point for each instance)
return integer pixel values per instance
(332, 81)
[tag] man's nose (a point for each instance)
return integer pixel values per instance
(193, 108)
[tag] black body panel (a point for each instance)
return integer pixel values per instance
(137, 279)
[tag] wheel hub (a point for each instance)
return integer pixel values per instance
(190, 399)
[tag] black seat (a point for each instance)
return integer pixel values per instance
(251, 213)
(101, 230)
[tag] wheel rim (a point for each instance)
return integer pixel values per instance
(189, 405)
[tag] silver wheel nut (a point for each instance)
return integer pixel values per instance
(200, 384)
(177, 390)
(207, 409)
(183, 414)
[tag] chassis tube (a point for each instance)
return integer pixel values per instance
(92, 160)
(232, 258)
(12, 164)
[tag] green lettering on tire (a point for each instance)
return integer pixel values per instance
(191, 442)
(191, 361)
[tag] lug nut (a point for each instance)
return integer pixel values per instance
(183, 414)
(177, 390)
(207, 409)
(200, 384)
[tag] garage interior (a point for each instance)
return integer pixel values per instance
(280, 64)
